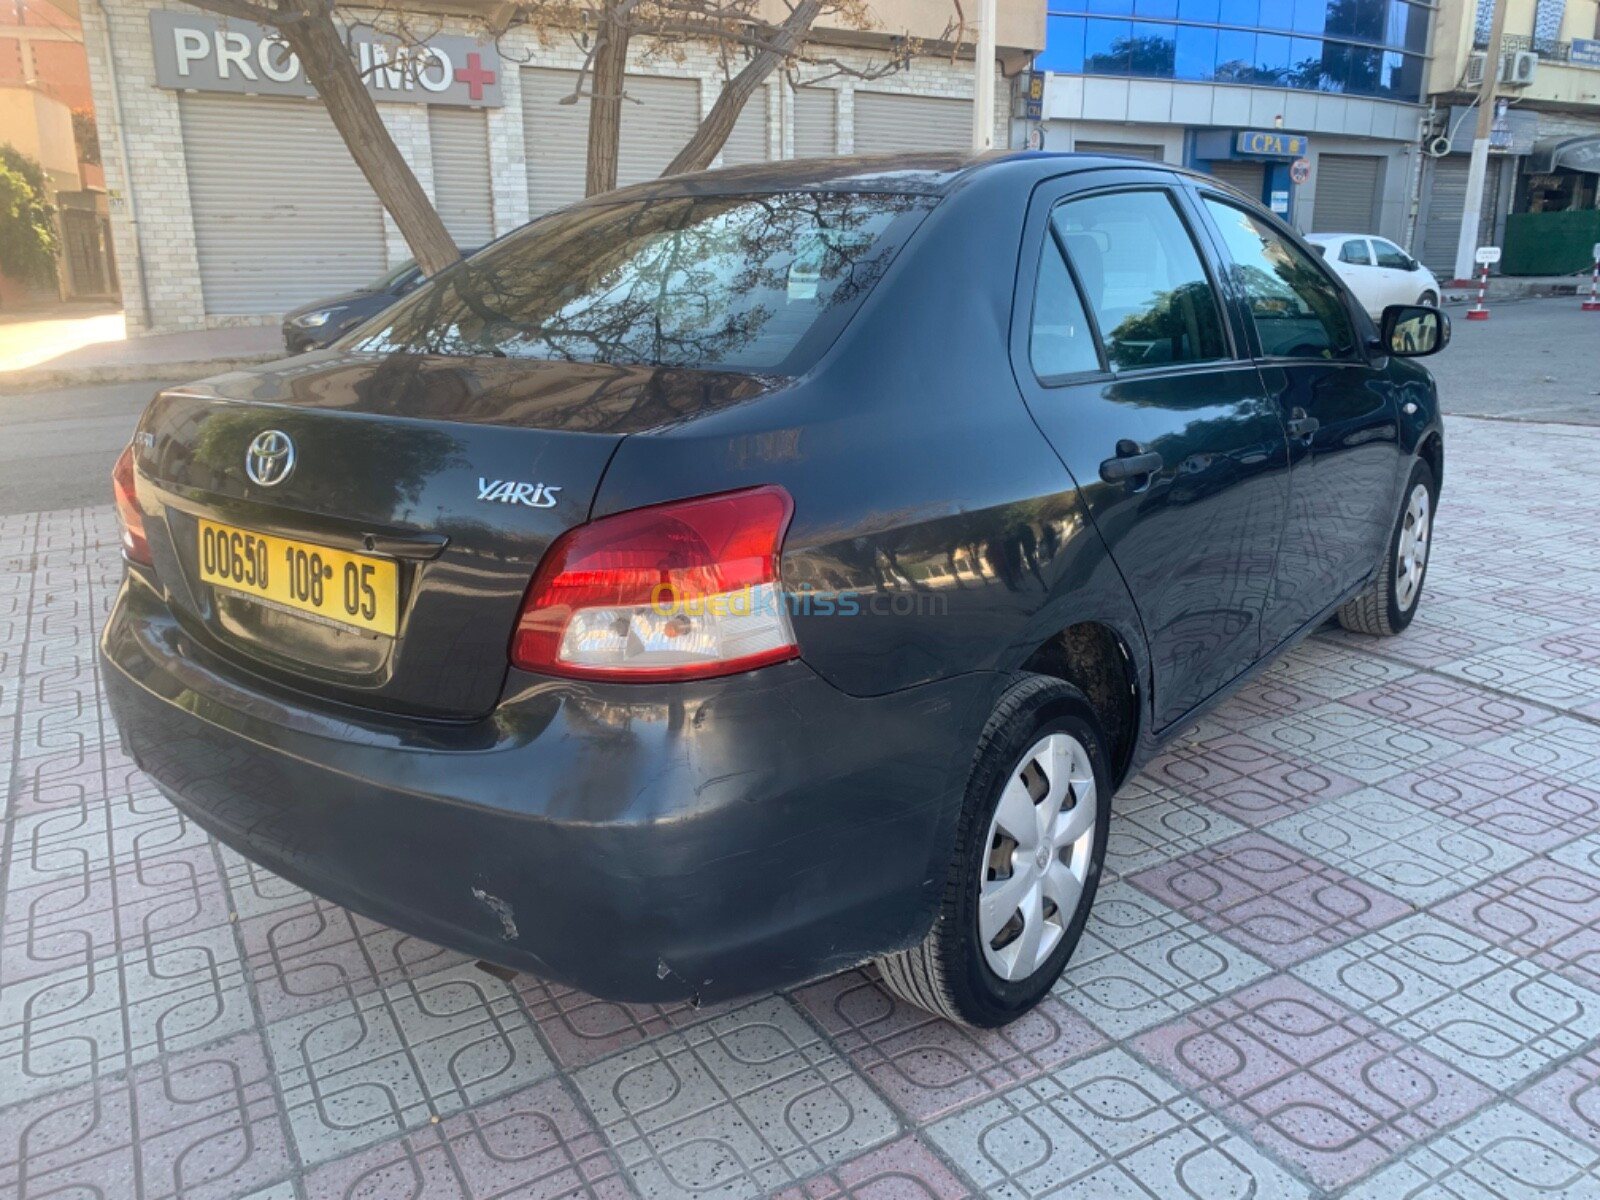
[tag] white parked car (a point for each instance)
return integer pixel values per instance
(1378, 271)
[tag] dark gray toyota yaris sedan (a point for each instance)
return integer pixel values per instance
(743, 576)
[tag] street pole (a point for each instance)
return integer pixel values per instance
(1472, 215)
(983, 92)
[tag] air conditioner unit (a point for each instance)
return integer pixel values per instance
(1513, 70)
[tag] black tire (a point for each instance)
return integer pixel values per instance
(1428, 300)
(1377, 610)
(947, 973)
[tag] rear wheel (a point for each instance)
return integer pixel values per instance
(1029, 851)
(1390, 600)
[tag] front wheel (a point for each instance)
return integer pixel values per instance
(1428, 300)
(1030, 846)
(1390, 601)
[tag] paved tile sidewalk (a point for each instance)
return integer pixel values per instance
(1348, 944)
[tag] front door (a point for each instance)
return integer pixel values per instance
(1339, 415)
(1134, 371)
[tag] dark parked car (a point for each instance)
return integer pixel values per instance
(747, 575)
(323, 322)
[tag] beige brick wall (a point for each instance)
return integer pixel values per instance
(158, 197)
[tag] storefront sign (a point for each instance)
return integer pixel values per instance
(1033, 104)
(204, 54)
(1585, 52)
(1267, 144)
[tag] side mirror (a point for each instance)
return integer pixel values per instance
(1413, 265)
(1414, 331)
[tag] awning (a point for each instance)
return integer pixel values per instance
(1575, 154)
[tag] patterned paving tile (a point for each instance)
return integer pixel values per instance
(1532, 674)
(1317, 1085)
(1154, 823)
(1526, 806)
(315, 953)
(1105, 1126)
(1503, 1152)
(1390, 843)
(1245, 781)
(1543, 911)
(1457, 711)
(1499, 1018)
(202, 1125)
(1562, 745)
(1140, 964)
(903, 1170)
(1582, 854)
(1333, 672)
(536, 1145)
(580, 1028)
(77, 1024)
(735, 1106)
(1268, 898)
(1570, 1098)
(929, 1067)
(363, 1070)
(1355, 743)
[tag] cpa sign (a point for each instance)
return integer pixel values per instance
(202, 54)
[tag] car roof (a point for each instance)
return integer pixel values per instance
(923, 173)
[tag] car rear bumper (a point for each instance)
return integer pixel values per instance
(643, 843)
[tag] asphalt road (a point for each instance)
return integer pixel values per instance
(1533, 360)
(57, 448)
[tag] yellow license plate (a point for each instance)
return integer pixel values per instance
(350, 589)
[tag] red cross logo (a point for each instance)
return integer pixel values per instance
(474, 76)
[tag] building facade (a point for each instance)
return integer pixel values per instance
(47, 113)
(1313, 106)
(1542, 196)
(234, 198)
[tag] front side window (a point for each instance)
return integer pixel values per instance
(1356, 252)
(740, 283)
(1297, 310)
(1390, 255)
(1143, 278)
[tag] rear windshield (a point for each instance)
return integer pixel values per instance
(741, 283)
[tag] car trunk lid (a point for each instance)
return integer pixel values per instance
(460, 473)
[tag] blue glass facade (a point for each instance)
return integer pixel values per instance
(1357, 47)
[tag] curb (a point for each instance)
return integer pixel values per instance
(45, 379)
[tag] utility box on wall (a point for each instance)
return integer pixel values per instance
(1550, 243)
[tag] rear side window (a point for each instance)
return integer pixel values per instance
(1356, 252)
(1297, 310)
(1061, 341)
(745, 283)
(1142, 277)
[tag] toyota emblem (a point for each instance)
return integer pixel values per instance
(270, 458)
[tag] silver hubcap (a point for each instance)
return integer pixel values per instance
(1040, 843)
(1412, 554)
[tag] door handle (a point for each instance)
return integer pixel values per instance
(1300, 425)
(1130, 463)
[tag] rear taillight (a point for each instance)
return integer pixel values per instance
(685, 590)
(129, 515)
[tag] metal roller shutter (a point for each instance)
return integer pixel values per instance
(556, 135)
(463, 191)
(816, 122)
(1347, 194)
(1153, 153)
(891, 124)
(1249, 177)
(748, 141)
(282, 214)
(1441, 224)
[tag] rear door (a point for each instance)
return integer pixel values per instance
(1131, 367)
(1339, 415)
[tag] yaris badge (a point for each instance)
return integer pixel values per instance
(270, 458)
(508, 491)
